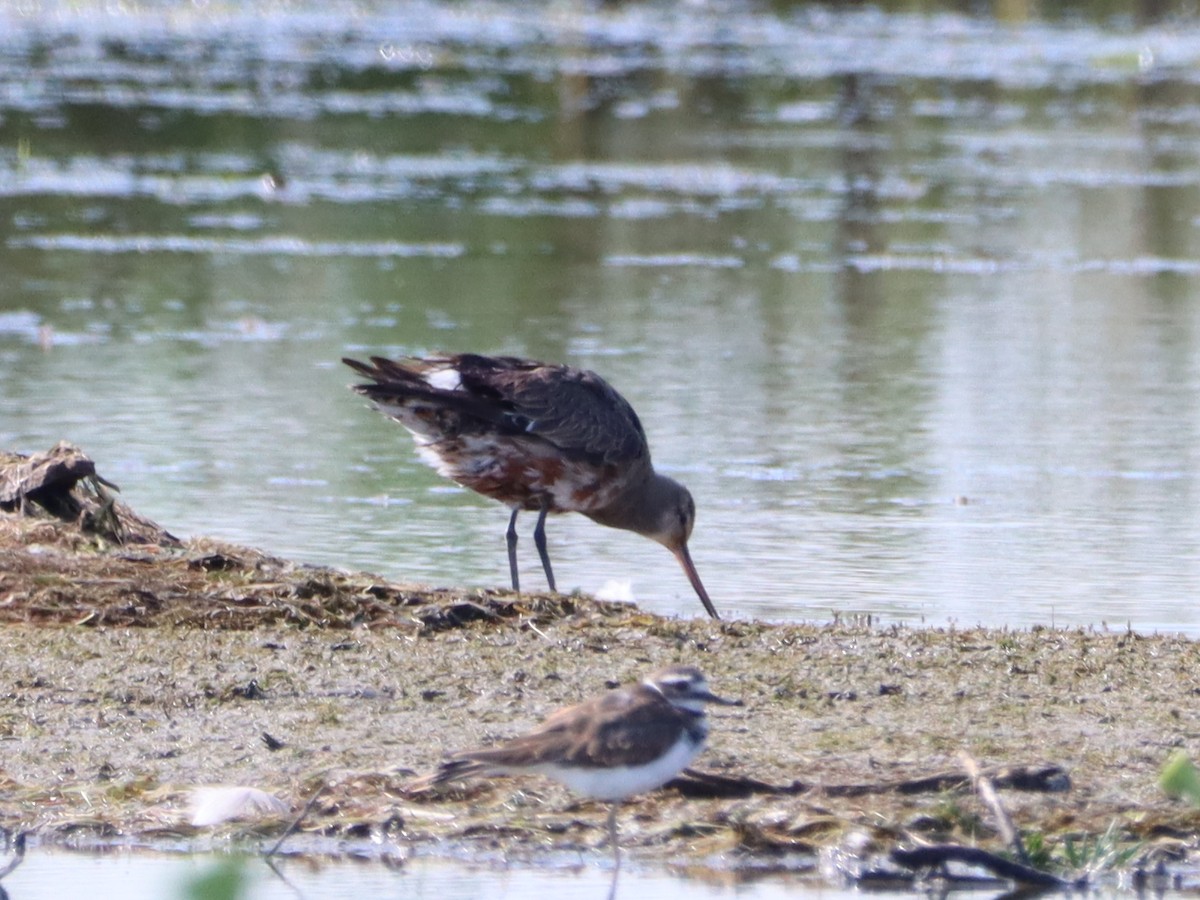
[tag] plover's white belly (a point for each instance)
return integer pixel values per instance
(623, 781)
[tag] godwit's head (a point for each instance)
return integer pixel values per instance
(674, 514)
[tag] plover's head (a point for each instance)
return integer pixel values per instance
(687, 688)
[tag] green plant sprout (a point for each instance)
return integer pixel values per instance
(1179, 778)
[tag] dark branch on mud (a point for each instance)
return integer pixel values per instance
(1033, 778)
(935, 856)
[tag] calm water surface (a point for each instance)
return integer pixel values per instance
(910, 301)
(52, 874)
(49, 875)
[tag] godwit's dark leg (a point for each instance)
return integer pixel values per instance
(539, 541)
(511, 537)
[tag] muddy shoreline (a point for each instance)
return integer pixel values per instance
(137, 669)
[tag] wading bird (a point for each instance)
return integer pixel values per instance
(535, 436)
(621, 743)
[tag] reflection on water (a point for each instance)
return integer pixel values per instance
(51, 874)
(908, 301)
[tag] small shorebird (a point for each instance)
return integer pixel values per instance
(611, 747)
(535, 436)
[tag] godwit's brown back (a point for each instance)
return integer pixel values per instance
(535, 436)
(528, 434)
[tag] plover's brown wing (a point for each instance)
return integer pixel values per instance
(627, 727)
(631, 729)
(550, 742)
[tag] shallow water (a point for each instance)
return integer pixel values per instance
(907, 300)
(50, 874)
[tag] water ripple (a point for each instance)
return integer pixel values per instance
(275, 245)
(227, 44)
(674, 259)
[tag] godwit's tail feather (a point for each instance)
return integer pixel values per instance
(416, 391)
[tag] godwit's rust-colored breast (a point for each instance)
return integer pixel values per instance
(527, 472)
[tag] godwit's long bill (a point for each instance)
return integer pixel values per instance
(535, 436)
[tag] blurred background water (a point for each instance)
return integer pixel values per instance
(906, 294)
